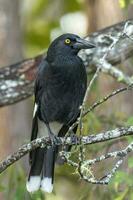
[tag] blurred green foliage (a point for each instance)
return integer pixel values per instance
(39, 18)
(125, 3)
(129, 121)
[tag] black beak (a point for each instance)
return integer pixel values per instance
(83, 44)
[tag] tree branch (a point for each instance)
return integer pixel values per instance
(42, 142)
(17, 80)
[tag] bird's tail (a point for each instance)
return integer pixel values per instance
(48, 170)
(41, 174)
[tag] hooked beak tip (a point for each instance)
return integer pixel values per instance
(84, 44)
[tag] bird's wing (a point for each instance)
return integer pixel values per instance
(34, 131)
(38, 94)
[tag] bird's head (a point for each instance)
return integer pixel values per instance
(68, 44)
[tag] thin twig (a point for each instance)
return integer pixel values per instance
(101, 101)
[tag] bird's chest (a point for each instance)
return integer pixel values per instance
(65, 84)
(63, 93)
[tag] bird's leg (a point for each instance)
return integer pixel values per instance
(53, 137)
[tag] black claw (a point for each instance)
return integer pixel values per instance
(54, 140)
(73, 138)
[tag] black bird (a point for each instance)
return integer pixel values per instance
(59, 91)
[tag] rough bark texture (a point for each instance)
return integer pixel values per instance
(91, 139)
(17, 81)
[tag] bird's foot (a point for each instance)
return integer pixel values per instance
(54, 140)
(73, 138)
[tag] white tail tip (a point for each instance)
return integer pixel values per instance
(46, 185)
(33, 184)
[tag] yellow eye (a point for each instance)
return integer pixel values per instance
(67, 41)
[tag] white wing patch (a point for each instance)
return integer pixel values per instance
(55, 127)
(43, 130)
(35, 109)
